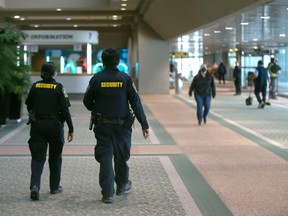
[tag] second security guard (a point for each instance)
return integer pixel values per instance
(109, 95)
(48, 107)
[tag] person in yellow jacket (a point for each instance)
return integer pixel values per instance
(274, 70)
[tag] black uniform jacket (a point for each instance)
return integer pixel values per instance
(49, 98)
(237, 73)
(203, 86)
(261, 79)
(110, 92)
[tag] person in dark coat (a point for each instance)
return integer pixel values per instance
(203, 86)
(109, 96)
(237, 78)
(221, 72)
(48, 107)
(261, 77)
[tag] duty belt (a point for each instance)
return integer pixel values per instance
(112, 121)
(46, 116)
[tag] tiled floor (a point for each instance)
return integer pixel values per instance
(236, 164)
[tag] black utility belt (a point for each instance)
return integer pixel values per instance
(46, 116)
(112, 121)
(97, 120)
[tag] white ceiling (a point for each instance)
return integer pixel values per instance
(254, 34)
(264, 34)
(78, 15)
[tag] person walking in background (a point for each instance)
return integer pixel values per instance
(48, 107)
(203, 86)
(221, 72)
(109, 95)
(274, 70)
(237, 78)
(261, 77)
(172, 74)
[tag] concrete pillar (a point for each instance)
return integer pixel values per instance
(153, 59)
(2, 4)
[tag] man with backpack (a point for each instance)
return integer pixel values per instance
(274, 70)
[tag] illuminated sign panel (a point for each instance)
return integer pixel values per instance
(60, 37)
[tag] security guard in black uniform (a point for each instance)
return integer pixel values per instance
(48, 107)
(109, 95)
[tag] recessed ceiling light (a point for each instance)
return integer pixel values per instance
(68, 18)
(75, 26)
(58, 9)
(123, 9)
(22, 18)
(123, 5)
(16, 16)
(206, 34)
(217, 32)
(114, 17)
(255, 39)
(36, 26)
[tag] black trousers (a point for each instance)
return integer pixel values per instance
(221, 77)
(260, 89)
(113, 143)
(44, 133)
(237, 83)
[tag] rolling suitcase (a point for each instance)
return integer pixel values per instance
(249, 100)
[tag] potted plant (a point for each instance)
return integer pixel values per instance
(14, 77)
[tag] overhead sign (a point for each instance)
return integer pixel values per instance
(60, 37)
(180, 54)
